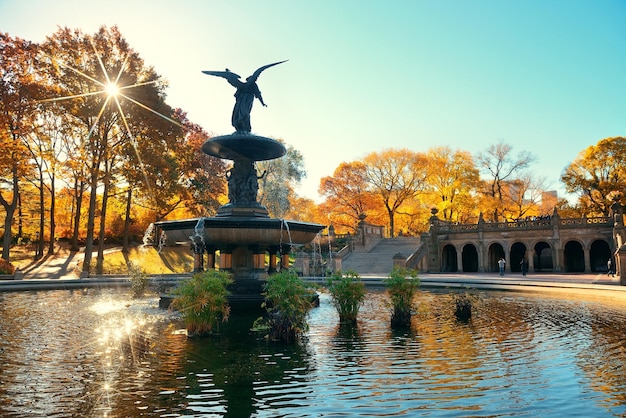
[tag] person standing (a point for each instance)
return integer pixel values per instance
(609, 266)
(501, 264)
(523, 266)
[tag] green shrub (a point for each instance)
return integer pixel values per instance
(6, 267)
(347, 293)
(203, 301)
(287, 302)
(402, 285)
(139, 281)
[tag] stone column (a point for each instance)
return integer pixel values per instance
(210, 259)
(587, 259)
(273, 260)
(226, 259)
(399, 260)
(258, 260)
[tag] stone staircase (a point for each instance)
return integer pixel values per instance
(379, 260)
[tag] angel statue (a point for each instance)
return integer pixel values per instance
(244, 96)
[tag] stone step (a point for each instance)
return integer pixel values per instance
(379, 260)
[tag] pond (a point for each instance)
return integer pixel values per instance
(96, 352)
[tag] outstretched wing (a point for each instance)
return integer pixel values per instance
(258, 72)
(232, 78)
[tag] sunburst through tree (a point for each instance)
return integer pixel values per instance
(118, 113)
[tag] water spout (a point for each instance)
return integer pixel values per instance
(198, 232)
(162, 241)
(286, 224)
(148, 236)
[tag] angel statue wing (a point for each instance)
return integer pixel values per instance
(232, 78)
(258, 72)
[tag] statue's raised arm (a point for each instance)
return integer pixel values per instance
(244, 96)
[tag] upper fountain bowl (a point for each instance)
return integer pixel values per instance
(239, 146)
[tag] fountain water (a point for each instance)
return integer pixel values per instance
(148, 236)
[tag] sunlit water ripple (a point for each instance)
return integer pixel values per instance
(99, 353)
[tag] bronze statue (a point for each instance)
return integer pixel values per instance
(244, 96)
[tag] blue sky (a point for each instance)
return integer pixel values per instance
(547, 76)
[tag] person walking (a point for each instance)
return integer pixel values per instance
(523, 266)
(501, 264)
(609, 266)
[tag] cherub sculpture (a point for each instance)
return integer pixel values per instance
(244, 96)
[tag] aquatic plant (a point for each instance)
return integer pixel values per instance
(203, 301)
(402, 285)
(287, 302)
(463, 303)
(347, 293)
(139, 281)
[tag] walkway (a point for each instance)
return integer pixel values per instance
(58, 273)
(571, 283)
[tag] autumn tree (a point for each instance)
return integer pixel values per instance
(279, 178)
(112, 93)
(18, 94)
(525, 193)
(452, 181)
(394, 177)
(501, 167)
(598, 176)
(45, 144)
(205, 174)
(347, 195)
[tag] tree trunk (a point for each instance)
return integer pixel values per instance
(91, 219)
(52, 210)
(9, 209)
(391, 224)
(125, 244)
(42, 218)
(20, 217)
(79, 189)
(103, 217)
(8, 221)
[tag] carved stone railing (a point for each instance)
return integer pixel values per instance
(526, 225)
(587, 222)
(414, 259)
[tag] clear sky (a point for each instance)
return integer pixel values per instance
(548, 76)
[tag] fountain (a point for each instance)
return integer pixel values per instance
(242, 231)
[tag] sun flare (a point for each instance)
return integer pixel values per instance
(112, 89)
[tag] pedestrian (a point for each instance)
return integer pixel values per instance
(609, 266)
(501, 264)
(523, 265)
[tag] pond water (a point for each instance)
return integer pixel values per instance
(96, 353)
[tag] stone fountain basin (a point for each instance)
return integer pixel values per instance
(240, 231)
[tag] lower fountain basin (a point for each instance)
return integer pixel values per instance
(240, 231)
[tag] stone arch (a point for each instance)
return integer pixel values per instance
(517, 254)
(496, 251)
(449, 259)
(469, 258)
(542, 257)
(573, 257)
(599, 254)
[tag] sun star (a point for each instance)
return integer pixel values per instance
(112, 89)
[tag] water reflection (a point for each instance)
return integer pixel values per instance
(99, 353)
